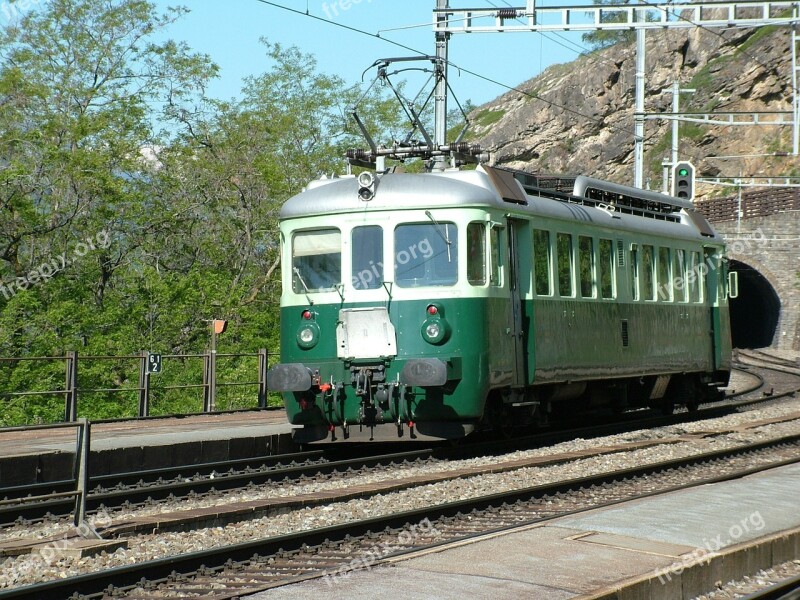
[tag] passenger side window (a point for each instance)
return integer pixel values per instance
(695, 277)
(542, 261)
(607, 264)
(664, 275)
(648, 273)
(634, 271)
(426, 254)
(564, 250)
(679, 271)
(586, 266)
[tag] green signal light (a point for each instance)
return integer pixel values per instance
(683, 172)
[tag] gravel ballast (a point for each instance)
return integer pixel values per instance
(33, 568)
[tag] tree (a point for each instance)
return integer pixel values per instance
(119, 234)
(78, 80)
(76, 83)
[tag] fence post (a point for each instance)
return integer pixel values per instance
(71, 388)
(81, 473)
(262, 377)
(144, 385)
(207, 383)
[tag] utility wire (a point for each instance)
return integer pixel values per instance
(342, 25)
(577, 48)
(465, 70)
(489, 79)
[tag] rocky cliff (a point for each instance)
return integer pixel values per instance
(578, 117)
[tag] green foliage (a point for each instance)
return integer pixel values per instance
(456, 120)
(657, 153)
(488, 117)
(135, 209)
(692, 131)
(704, 79)
(759, 33)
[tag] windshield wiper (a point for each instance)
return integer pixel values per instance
(305, 287)
(443, 234)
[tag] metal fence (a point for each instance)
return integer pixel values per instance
(80, 470)
(209, 384)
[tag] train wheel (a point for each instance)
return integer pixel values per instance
(497, 417)
(683, 390)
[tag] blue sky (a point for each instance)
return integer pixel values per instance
(229, 31)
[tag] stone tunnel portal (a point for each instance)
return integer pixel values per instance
(755, 313)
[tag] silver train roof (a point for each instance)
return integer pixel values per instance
(409, 191)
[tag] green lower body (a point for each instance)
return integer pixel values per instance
(563, 342)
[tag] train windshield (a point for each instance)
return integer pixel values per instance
(426, 254)
(367, 259)
(316, 260)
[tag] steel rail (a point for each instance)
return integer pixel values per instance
(39, 501)
(143, 486)
(788, 589)
(206, 561)
(149, 486)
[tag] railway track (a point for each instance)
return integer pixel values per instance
(234, 570)
(47, 502)
(26, 504)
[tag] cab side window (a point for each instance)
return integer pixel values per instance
(476, 253)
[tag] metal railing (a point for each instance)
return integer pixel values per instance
(752, 205)
(80, 469)
(208, 381)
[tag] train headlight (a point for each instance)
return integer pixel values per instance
(435, 331)
(308, 335)
(366, 186)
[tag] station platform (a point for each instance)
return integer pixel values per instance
(678, 545)
(42, 455)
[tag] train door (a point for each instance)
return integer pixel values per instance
(516, 283)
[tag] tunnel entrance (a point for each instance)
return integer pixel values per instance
(755, 313)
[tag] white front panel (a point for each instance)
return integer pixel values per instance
(365, 333)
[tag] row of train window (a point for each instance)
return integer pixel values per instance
(654, 272)
(426, 254)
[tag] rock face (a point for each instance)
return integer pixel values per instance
(578, 117)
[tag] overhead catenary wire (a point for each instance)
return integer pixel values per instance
(463, 69)
(510, 88)
(577, 48)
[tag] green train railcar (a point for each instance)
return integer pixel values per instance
(419, 306)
